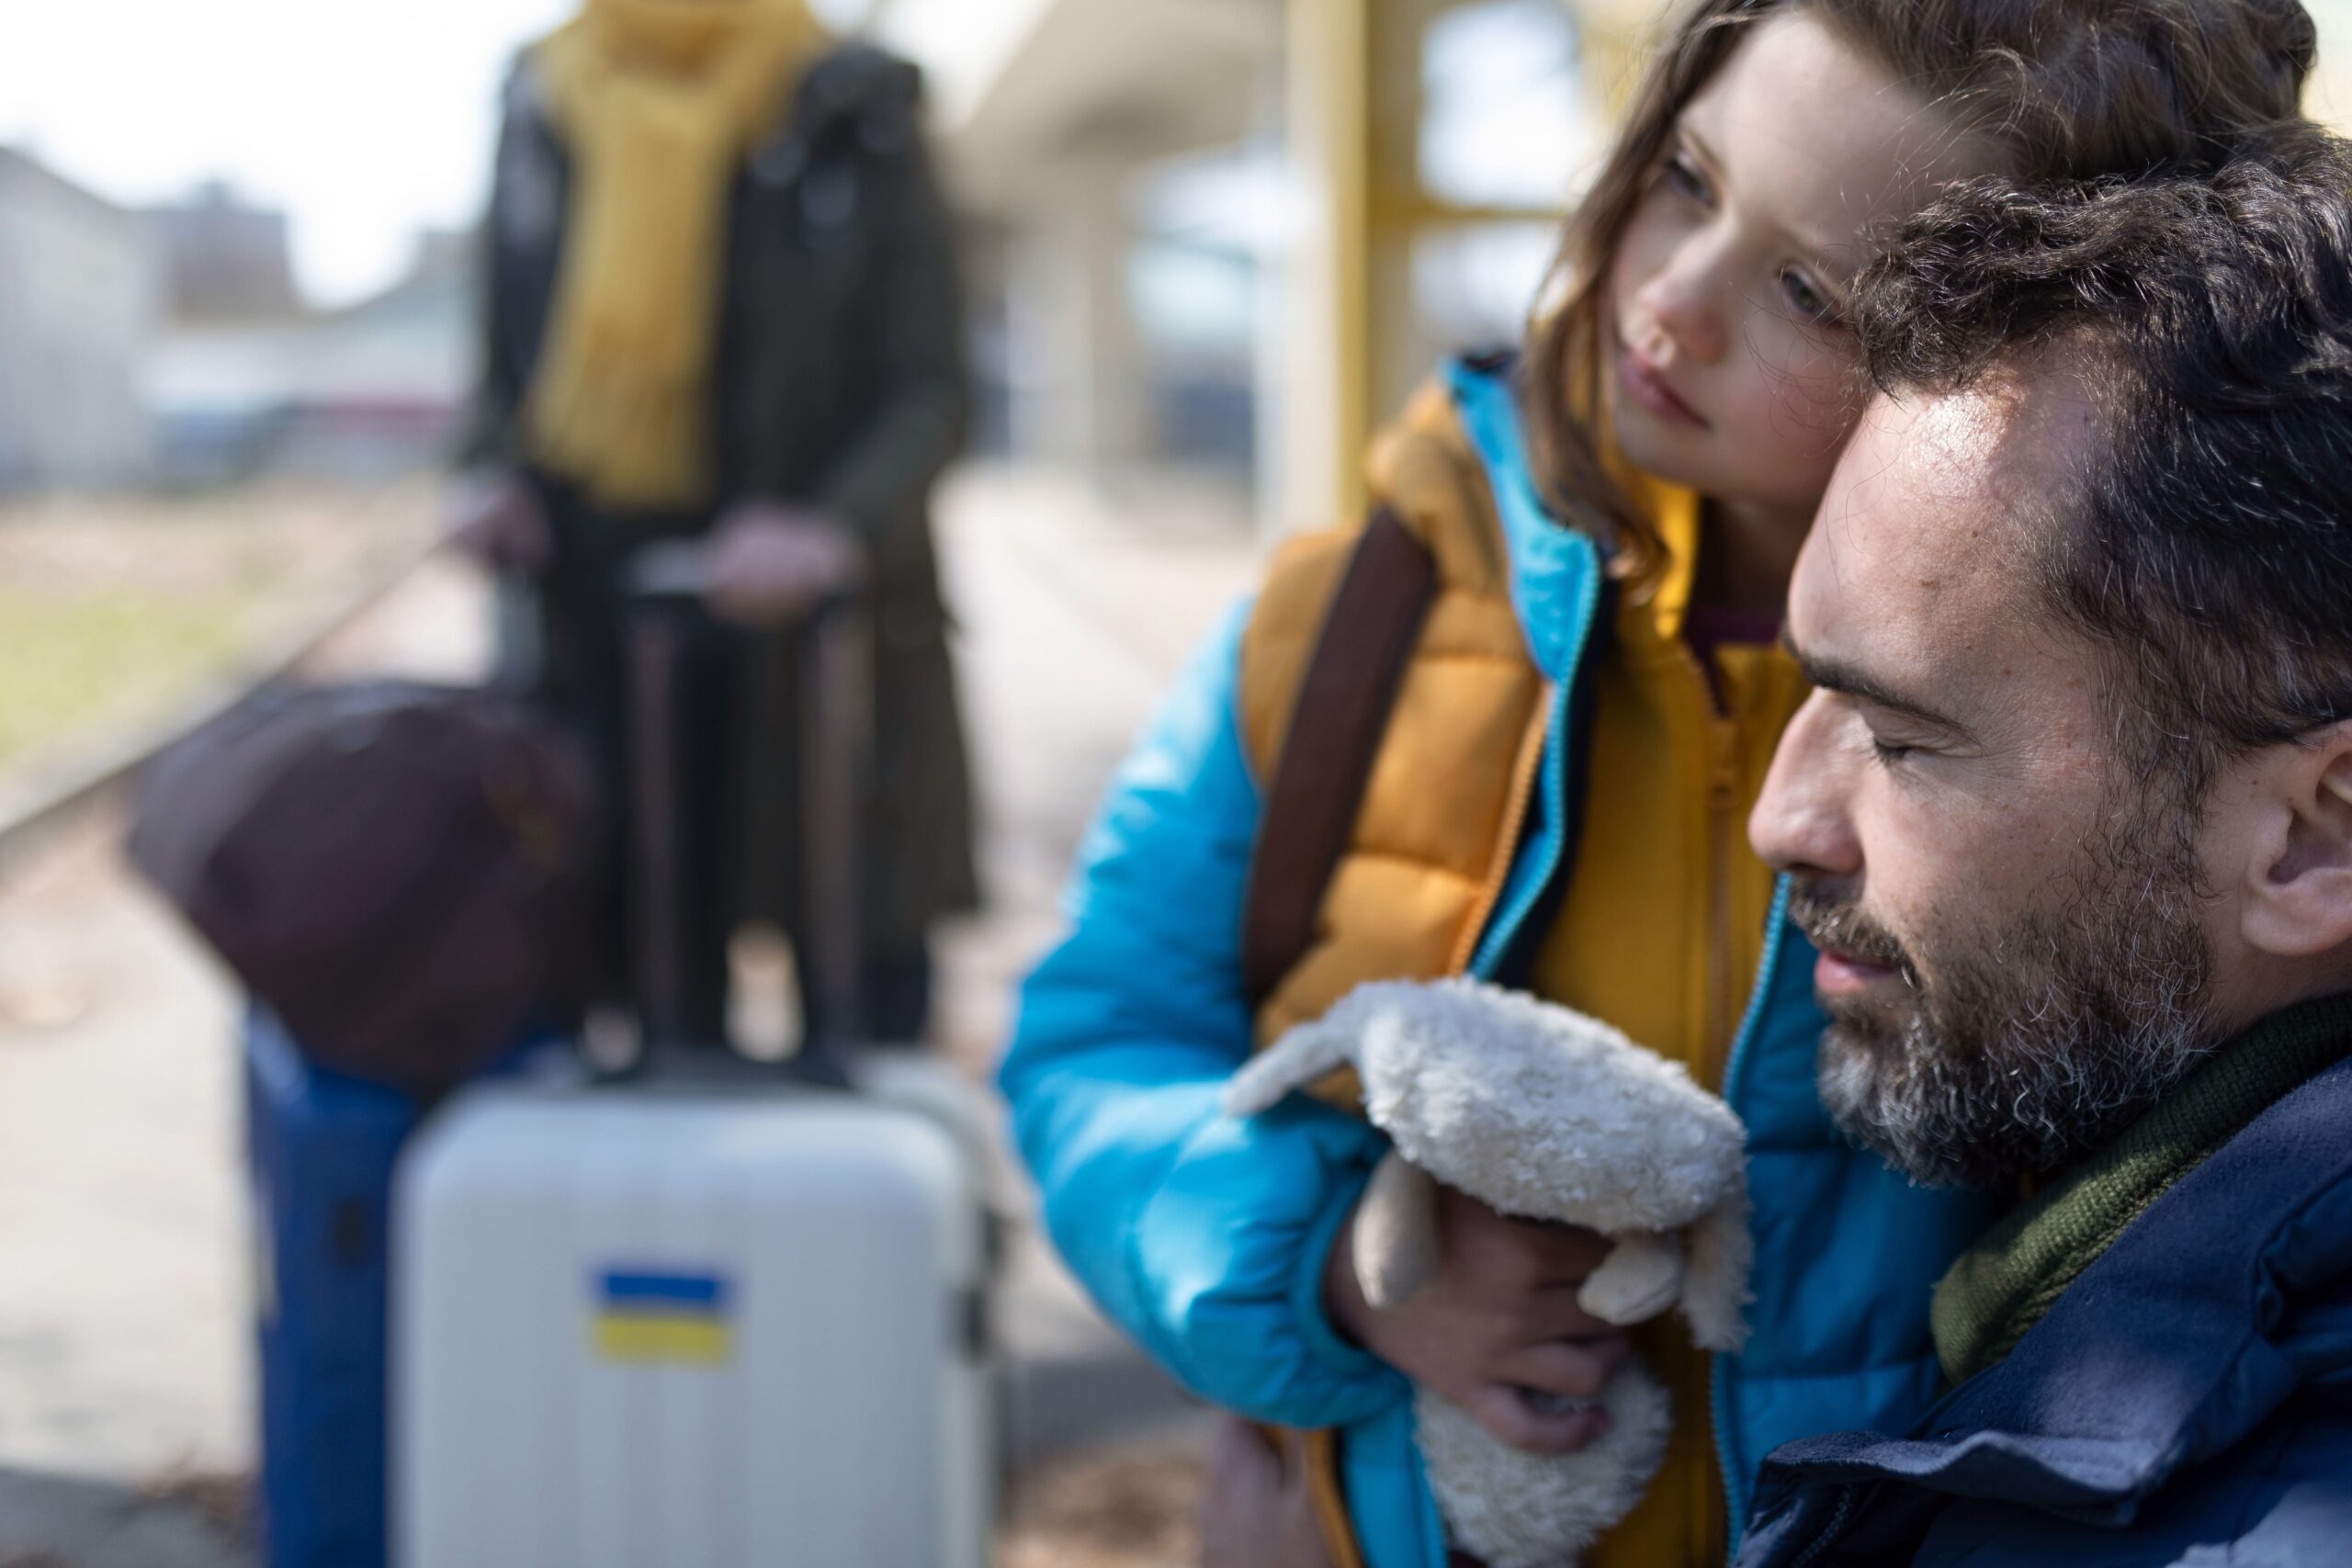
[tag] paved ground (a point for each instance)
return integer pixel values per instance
(124, 1368)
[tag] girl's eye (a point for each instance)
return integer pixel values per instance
(1808, 301)
(1683, 176)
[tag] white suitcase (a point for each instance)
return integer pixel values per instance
(709, 1317)
(674, 1327)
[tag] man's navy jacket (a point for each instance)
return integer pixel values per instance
(2188, 1401)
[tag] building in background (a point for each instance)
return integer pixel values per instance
(225, 260)
(171, 347)
(1223, 235)
(362, 394)
(1115, 319)
(77, 302)
(1237, 233)
(1384, 178)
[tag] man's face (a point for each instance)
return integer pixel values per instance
(2012, 953)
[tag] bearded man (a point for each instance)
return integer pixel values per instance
(2069, 817)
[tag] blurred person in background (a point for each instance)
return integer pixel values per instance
(722, 305)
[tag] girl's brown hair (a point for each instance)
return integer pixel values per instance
(2068, 89)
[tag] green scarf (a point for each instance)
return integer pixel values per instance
(2001, 1287)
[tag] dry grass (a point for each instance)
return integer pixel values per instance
(1131, 1510)
(221, 1504)
(1127, 1510)
(116, 609)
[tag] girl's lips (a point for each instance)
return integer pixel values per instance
(1837, 975)
(1647, 388)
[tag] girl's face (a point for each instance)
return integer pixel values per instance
(1729, 368)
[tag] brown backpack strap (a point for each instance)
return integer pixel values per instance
(1341, 711)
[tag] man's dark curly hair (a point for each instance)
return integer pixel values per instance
(2206, 543)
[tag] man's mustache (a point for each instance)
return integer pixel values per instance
(1838, 925)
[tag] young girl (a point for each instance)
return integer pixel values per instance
(1557, 798)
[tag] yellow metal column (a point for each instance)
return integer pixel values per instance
(1613, 36)
(1355, 108)
(1330, 96)
(1396, 359)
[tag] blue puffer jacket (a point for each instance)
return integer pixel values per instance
(2188, 1402)
(1206, 1237)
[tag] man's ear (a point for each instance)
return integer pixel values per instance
(2299, 894)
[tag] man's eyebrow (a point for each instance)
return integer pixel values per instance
(1835, 675)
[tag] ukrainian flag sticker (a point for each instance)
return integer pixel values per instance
(646, 1316)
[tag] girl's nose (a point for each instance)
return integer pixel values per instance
(1683, 299)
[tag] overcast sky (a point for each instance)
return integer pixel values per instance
(364, 119)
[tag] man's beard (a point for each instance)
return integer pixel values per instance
(2041, 1037)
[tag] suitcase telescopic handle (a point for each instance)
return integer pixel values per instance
(675, 573)
(681, 572)
(656, 908)
(665, 585)
(836, 767)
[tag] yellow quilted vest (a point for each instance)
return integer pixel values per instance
(1433, 839)
(1665, 868)
(1440, 817)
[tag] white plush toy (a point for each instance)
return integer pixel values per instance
(1545, 1115)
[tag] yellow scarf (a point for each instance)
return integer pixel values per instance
(659, 101)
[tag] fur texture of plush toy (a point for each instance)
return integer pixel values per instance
(1542, 1113)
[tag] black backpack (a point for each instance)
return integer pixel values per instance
(400, 871)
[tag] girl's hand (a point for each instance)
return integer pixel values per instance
(1499, 1331)
(1256, 1505)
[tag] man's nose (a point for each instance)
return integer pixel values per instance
(1802, 822)
(1684, 297)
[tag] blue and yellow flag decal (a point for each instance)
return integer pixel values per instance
(641, 1315)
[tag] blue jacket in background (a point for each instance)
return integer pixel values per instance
(1206, 1237)
(2188, 1402)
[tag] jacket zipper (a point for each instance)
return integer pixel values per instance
(1829, 1532)
(1723, 794)
(1775, 929)
(1720, 734)
(1716, 1032)
(1529, 772)
(1478, 942)
(1723, 800)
